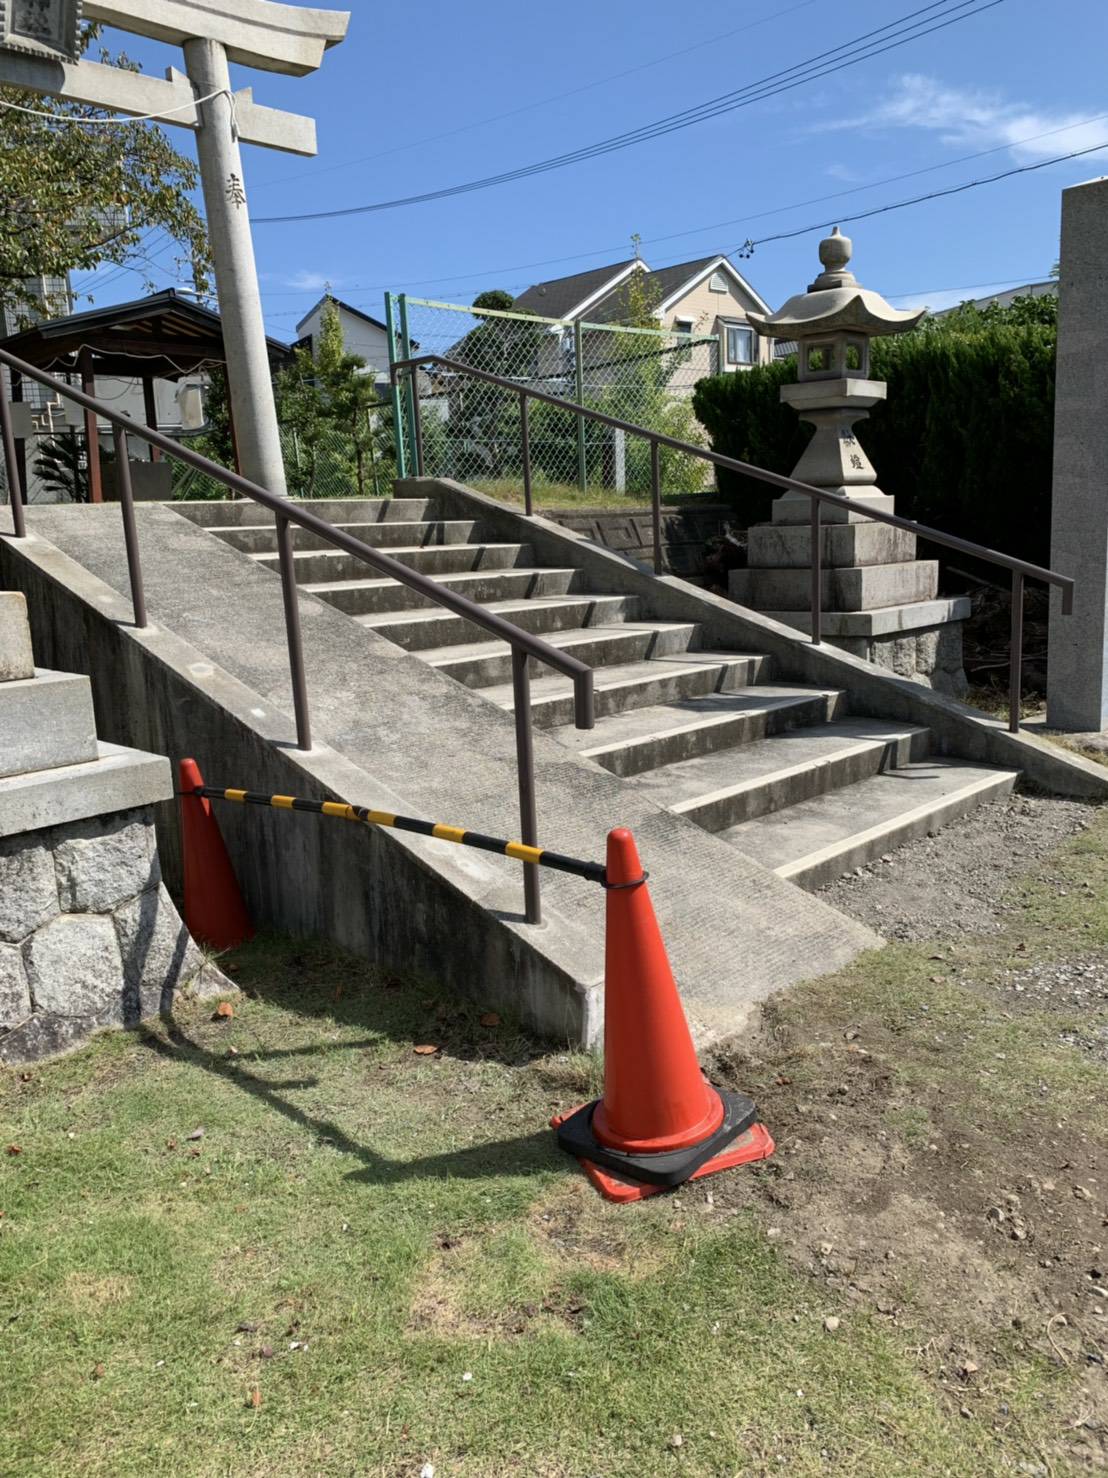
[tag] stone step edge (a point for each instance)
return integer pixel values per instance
(796, 870)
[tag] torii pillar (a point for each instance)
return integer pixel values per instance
(39, 51)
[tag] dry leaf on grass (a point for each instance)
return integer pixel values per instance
(223, 1012)
(254, 1398)
(490, 1018)
(425, 1049)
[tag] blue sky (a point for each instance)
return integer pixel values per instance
(421, 97)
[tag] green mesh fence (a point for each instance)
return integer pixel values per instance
(471, 430)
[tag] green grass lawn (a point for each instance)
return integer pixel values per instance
(375, 1259)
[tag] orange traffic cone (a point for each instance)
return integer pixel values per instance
(660, 1122)
(214, 910)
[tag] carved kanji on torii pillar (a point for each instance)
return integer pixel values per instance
(38, 51)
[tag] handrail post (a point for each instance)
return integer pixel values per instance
(130, 530)
(817, 572)
(525, 447)
(292, 633)
(11, 466)
(525, 767)
(656, 502)
(1015, 654)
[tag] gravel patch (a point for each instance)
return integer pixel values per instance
(953, 883)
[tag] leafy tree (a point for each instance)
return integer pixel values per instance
(482, 428)
(74, 197)
(61, 468)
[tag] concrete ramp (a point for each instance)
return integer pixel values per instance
(209, 678)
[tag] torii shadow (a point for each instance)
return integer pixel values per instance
(530, 1154)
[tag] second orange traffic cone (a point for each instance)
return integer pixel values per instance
(214, 909)
(660, 1122)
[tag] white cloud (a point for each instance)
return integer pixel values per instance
(974, 119)
(310, 282)
(844, 172)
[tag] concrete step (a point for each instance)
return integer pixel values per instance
(380, 594)
(485, 663)
(416, 631)
(816, 841)
(430, 559)
(639, 684)
(645, 738)
(236, 512)
(261, 538)
(734, 785)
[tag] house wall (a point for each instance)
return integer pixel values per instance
(359, 336)
(710, 310)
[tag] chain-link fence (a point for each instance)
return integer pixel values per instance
(471, 430)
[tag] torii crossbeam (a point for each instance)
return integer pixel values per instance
(39, 51)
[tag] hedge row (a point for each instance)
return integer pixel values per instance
(963, 440)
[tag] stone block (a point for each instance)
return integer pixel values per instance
(785, 546)
(16, 661)
(157, 951)
(117, 780)
(797, 508)
(15, 998)
(855, 589)
(103, 862)
(74, 968)
(44, 1035)
(28, 892)
(46, 721)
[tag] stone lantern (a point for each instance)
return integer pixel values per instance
(880, 601)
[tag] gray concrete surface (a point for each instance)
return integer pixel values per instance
(210, 679)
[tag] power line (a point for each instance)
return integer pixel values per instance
(792, 77)
(488, 272)
(530, 107)
(747, 247)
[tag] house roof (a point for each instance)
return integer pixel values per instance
(346, 307)
(664, 282)
(609, 289)
(558, 297)
(163, 336)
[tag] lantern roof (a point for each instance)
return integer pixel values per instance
(835, 302)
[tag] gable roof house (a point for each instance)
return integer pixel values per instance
(361, 334)
(707, 297)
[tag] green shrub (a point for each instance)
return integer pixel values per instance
(963, 441)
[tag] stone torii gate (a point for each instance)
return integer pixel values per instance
(39, 51)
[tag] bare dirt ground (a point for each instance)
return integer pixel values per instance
(952, 883)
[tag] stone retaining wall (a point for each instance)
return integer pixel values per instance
(685, 532)
(89, 937)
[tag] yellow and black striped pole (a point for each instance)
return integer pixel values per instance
(539, 856)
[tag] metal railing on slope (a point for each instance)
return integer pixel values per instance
(523, 644)
(1020, 569)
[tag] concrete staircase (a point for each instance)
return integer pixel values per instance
(779, 770)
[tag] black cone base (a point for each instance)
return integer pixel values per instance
(671, 1167)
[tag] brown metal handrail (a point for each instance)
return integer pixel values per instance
(1020, 569)
(523, 644)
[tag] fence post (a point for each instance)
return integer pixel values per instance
(579, 391)
(411, 386)
(397, 418)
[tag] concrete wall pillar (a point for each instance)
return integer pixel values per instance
(248, 375)
(1077, 679)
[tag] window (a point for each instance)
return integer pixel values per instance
(717, 283)
(740, 344)
(683, 325)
